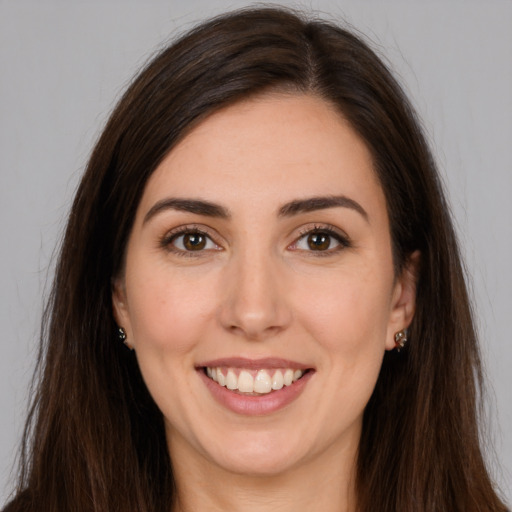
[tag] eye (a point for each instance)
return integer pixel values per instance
(189, 240)
(321, 240)
(316, 241)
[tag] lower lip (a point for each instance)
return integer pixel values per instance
(254, 405)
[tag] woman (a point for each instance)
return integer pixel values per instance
(259, 302)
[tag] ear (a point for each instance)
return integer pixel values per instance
(119, 307)
(403, 303)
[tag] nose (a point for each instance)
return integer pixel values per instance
(254, 304)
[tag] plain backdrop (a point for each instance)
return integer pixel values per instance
(63, 64)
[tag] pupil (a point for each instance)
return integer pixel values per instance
(319, 241)
(194, 241)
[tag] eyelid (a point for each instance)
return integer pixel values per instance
(166, 241)
(340, 236)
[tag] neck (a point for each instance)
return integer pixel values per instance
(323, 484)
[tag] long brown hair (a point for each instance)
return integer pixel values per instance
(95, 440)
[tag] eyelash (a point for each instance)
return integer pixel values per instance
(167, 242)
(329, 231)
(170, 238)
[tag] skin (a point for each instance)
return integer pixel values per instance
(256, 290)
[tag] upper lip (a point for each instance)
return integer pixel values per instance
(254, 364)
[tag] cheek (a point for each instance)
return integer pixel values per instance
(168, 310)
(169, 314)
(347, 312)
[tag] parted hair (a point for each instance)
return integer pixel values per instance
(94, 439)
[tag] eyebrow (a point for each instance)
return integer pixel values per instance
(196, 206)
(321, 203)
(208, 209)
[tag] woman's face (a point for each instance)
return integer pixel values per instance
(259, 291)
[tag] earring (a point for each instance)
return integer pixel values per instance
(400, 339)
(121, 333)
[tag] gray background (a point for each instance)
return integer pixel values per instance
(64, 64)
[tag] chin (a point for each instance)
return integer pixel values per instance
(259, 454)
(261, 463)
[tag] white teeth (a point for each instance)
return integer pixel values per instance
(262, 383)
(220, 377)
(231, 380)
(277, 380)
(245, 382)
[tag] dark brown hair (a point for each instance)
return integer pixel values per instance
(95, 440)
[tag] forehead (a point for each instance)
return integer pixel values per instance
(270, 148)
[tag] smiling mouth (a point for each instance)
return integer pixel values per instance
(253, 382)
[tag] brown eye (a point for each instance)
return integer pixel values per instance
(194, 241)
(322, 241)
(189, 241)
(319, 241)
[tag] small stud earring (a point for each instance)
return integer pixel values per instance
(400, 339)
(121, 333)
